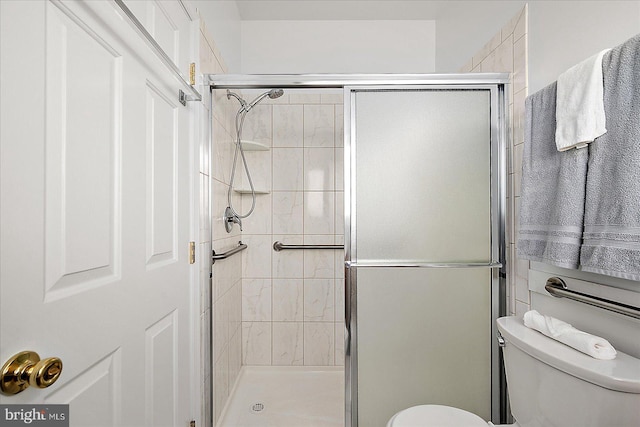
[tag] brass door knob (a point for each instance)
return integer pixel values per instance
(26, 369)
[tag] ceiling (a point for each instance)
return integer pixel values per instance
(301, 10)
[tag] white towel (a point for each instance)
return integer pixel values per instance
(592, 345)
(580, 104)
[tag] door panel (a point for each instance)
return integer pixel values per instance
(423, 338)
(82, 169)
(95, 215)
(423, 175)
(422, 194)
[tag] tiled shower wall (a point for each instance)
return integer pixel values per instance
(222, 295)
(292, 301)
(507, 52)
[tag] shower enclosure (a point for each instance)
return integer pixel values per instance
(425, 269)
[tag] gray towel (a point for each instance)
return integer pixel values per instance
(612, 208)
(553, 188)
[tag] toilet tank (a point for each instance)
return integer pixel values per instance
(552, 385)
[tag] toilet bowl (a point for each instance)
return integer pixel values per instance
(437, 415)
(593, 393)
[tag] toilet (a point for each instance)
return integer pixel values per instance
(550, 385)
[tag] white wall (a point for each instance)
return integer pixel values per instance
(223, 23)
(563, 33)
(463, 27)
(338, 47)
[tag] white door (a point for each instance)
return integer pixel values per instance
(95, 216)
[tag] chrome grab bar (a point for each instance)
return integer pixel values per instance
(418, 264)
(241, 247)
(279, 246)
(558, 288)
(160, 53)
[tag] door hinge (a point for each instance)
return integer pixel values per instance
(192, 423)
(192, 252)
(192, 73)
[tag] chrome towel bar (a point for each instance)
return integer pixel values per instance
(558, 288)
(279, 246)
(241, 247)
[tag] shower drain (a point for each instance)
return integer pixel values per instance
(257, 408)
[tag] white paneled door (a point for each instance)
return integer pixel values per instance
(95, 211)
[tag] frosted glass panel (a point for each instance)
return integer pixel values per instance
(423, 175)
(424, 337)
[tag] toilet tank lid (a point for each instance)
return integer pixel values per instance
(620, 374)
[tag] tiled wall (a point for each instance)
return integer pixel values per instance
(221, 295)
(507, 52)
(292, 301)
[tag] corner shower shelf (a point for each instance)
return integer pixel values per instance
(253, 146)
(248, 191)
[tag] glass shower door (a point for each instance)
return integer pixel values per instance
(423, 249)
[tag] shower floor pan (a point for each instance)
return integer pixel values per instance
(287, 396)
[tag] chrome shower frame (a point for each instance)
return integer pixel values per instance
(497, 84)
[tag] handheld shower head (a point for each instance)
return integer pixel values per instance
(275, 93)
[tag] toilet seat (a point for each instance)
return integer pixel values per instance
(435, 416)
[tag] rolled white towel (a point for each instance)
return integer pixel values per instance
(592, 345)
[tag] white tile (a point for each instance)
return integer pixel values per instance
(318, 264)
(521, 308)
(288, 343)
(331, 98)
(339, 126)
(256, 300)
(287, 125)
(235, 308)
(256, 343)
(256, 259)
(288, 264)
(339, 161)
(221, 383)
(259, 163)
(304, 98)
(318, 126)
(319, 169)
(319, 343)
(521, 271)
(235, 357)
(288, 212)
(517, 119)
(220, 328)
(520, 64)
(521, 27)
(319, 212)
(319, 300)
(339, 306)
(257, 124)
(287, 169)
(288, 300)
(259, 222)
(339, 343)
(517, 159)
(339, 213)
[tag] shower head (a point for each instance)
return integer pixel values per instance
(275, 93)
